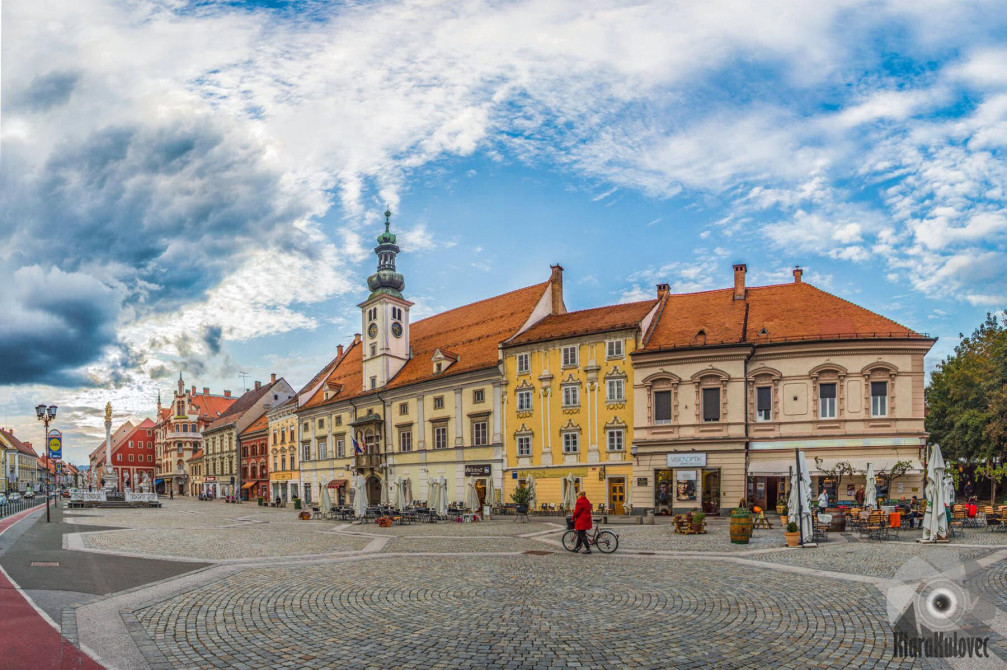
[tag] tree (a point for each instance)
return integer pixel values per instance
(889, 475)
(837, 472)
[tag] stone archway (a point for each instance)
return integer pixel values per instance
(373, 490)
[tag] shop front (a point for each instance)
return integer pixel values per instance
(210, 485)
(685, 484)
(604, 484)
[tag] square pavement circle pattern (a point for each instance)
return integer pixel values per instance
(323, 594)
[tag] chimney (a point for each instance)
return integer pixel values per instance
(739, 280)
(339, 351)
(663, 290)
(258, 385)
(356, 338)
(797, 274)
(556, 284)
(272, 377)
(206, 390)
(227, 394)
(193, 390)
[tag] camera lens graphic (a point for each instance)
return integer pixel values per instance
(941, 604)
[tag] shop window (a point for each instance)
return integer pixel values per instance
(879, 398)
(764, 403)
(662, 407)
(523, 364)
(307, 493)
(524, 445)
(479, 436)
(524, 401)
(711, 404)
(827, 401)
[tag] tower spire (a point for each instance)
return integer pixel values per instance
(386, 279)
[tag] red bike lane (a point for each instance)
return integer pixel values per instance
(27, 640)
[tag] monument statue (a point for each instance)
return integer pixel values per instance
(108, 412)
(108, 479)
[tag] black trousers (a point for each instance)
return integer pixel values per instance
(581, 541)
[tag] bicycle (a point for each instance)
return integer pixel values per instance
(605, 540)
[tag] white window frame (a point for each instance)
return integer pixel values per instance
(323, 450)
(615, 349)
(525, 400)
(720, 400)
(759, 416)
(341, 448)
(571, 443)
(405, 440)
(620, 385)
(305, 455)
(524, 445)
(879, 403)
(830, 405)
(615, 438)
(570, 356)
(480, 433)
(440, 437)
(571, 396)
(523, 364)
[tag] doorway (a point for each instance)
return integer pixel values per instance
(373, 490)
(481, 491)
(617, 495)
(711, 491)
(767, 491)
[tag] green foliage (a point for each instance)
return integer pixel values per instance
(698, 517)
(898, 469)
(521, 496)
(967, 397)
(792, 527)
(837, 472)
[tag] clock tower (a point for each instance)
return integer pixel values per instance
(385, 316)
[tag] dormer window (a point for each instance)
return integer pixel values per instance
(438, 367)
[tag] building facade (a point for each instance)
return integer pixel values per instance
(569, 403)
(196, 474)
(728, 383)
(254, 457)
(415, 401)
(20, 463)
(133, 454)
(283, 462)
(178, 433)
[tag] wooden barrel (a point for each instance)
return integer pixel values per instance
(741, 526)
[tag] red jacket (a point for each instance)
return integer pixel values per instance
(582, 514)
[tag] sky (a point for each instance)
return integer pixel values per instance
(195, 186)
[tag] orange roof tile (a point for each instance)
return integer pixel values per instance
(198, 454)
(585, 321)
(23, 447)
(259, 424)
(212, 406)
(787, 312)
(471, 334)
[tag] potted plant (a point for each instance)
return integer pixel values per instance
(793, 534)
(698, 520)
(521, 498)
(781, 508)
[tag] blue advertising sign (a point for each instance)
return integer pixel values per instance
(54, 445)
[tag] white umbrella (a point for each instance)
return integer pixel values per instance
(530, 483)
(409, 491)
(490, 492)
(400, 494)
(324, 503)
(471, 497)
(799, 508)
(384, 492)
(935, 520)
(871, 489)
(442, 496)
(569, 493)
(359, 496)
(949, 491)
(433, 494)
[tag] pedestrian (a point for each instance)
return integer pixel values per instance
(171, 494)
(860, 496)
(968, 489)
(582, 522)
(823, 500)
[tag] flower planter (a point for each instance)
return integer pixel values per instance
(793, 539)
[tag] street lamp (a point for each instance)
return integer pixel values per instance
(45, 415)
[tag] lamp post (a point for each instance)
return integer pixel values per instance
(45, 415)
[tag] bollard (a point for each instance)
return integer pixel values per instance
(649, 519)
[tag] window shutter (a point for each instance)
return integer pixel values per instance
(662, 406)
(711, 404)
(764, 401)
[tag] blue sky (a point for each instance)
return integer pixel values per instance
(196, 186)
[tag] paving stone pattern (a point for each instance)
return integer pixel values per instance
(529, 612)
(231, 543)
(716, 539)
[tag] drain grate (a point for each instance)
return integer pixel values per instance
(45, 564)
(537, 552)
(646, 553)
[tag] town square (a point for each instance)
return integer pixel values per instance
(503, 334)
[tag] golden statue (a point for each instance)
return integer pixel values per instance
(108, 411)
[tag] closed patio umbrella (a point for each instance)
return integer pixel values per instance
(569, 493)
(433, 494)
(359, 496)
(871, 489)
(409, 491)
(799, 508)
(442, 499)
(323, 500)
(491, 493)
(935, 520)
(384, 492)
(530, 483)
(471, 497)
(400, 494)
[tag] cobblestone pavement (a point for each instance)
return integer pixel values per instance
(716, 539)
(540, 612)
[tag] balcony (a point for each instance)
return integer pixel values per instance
(182, 436)
(368, 460)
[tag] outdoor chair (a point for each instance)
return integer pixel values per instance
(877, 527)
(894, 524)
(958, 519)
(991, 517)
(819, 529)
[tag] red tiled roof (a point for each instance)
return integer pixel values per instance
(470, 334)
(786, 312)
(212, 406)
(24, 448)
(259, 424)
(585, 321)
(198, 454)
(244, 403)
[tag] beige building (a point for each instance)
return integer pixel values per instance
(729, 383)
(20, 463)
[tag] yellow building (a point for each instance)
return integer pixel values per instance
(416, 400)
(283, 461)
(569, 403)
(196, 473)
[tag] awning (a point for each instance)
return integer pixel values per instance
(158, 481)
(248, 485)
(780, 467)
(337, 483)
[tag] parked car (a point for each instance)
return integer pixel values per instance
(65, 494)
(28, 495)
(3, 499)
(15, 496)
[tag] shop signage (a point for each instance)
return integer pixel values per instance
(281, 476)
(55, 445)
(687, 460)
(477, 470)
(641, 481)
(210, 478)
(556, 472)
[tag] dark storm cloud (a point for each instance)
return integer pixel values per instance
(211, 338)
(160, 213)
(44, 92)
(53, 323)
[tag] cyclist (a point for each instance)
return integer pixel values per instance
(582, 521)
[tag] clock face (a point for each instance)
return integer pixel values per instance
(397, 329)
(372, 330)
